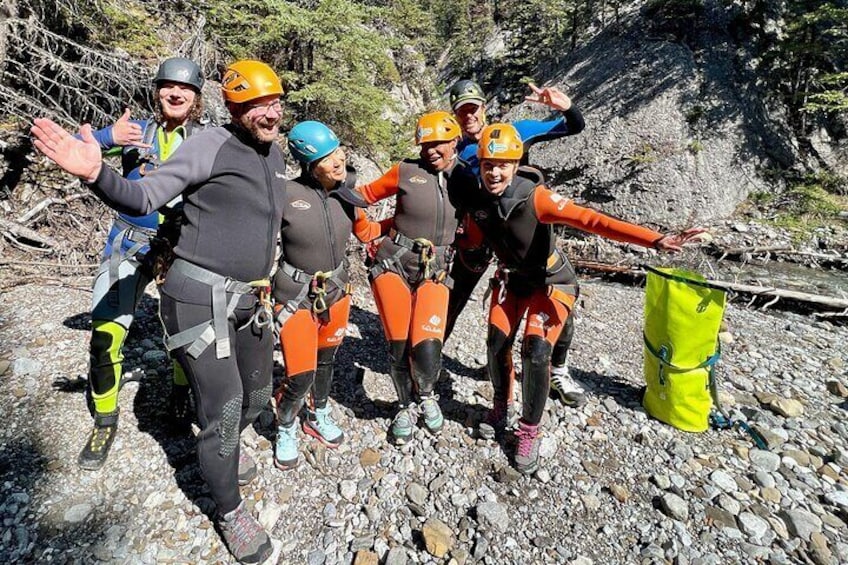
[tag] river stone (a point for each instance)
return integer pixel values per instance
(492, 516)
(674, 506)
(838, 498)
(764, 460)
(721, 518)
(724, 481)
(438, 537)
(801, 523)
(366, 558)
(23, 366)
(786, 407)
(417, 494)
(78, 513)
(397, 556)
(833, 387)
(369, 457)
(481, 546)
(752, 525)
(620, 493)
(316, 557)
(821, 552)
(4, 366)
(770, 494)
(348, 490)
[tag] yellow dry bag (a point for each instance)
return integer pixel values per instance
(682, 320)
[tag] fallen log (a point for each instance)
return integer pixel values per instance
(19, 231)
(813, 301)
(746, 253)
(32, 212)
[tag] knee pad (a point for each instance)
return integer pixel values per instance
(290, 396)
(536, 361)
(323, 377)
(499, 358)
(105, 359)
(228, 427)
(426, 364)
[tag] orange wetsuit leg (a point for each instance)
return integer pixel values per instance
(426, 334)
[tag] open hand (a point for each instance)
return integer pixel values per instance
(549, 96)
(675, 242)
(125, 132)
(78, 157)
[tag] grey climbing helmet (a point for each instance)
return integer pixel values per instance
(180, 69)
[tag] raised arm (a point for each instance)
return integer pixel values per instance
(383, 187)
(367, 230)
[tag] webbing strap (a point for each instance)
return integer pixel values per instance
(138, 235)
(202, 335)
(709, 362)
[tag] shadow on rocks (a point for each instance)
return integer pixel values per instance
(69, 529)
(623, 393)
(81, 321)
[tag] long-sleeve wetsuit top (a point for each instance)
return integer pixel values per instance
(518, 225)
(135, 160)
(315, 229)
(423, 209)
(531, 132)
(233, 190)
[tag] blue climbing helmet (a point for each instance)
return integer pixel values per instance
(311, 141)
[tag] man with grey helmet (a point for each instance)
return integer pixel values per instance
(124, 272)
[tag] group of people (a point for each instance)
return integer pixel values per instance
(203, 210)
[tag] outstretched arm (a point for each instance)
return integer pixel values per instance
(79, 157)
(551, 208)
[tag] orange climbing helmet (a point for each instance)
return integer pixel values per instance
(248, 80)
(501, 142)
(436, 126)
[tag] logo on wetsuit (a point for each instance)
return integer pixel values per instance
(558, 200)
(301, 205)
(433, 325)
(336, 337)
(538, 321)
(417, 180)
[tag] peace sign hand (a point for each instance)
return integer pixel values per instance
(549, 96)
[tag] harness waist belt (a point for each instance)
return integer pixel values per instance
(199, 337)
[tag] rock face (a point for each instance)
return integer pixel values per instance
(675, 132)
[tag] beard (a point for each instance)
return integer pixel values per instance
(262, 130)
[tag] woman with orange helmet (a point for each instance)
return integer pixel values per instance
(213, 302)
(409, 276)
(516, 212)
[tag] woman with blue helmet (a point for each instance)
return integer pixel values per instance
(311, 287)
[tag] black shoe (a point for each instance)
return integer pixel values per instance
(96, 449)
(180, 412)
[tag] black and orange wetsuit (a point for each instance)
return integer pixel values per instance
(409, 276)
(533, 276)
(311, 288)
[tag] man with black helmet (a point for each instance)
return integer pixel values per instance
(214, 302)
(468, 102)
(123, 275)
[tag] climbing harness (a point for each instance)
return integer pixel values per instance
(199, 337)
(314, 287)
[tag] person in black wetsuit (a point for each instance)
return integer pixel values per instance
(214, 302)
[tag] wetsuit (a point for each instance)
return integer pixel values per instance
(125, 270)
(409, 277)
(533, 276)
(233, 190)
(311, 286)
(472, 259)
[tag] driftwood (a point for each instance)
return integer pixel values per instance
(35, 210)
(19, 231)
(812, 301)
(745, 253)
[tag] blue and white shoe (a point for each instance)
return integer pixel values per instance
(320, 425)
(285, 450)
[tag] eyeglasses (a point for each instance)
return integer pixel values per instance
(263, 109)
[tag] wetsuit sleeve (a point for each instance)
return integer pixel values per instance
(189, 166)
(383, 187)
(534, 131)
(551, 208)
(368, 230)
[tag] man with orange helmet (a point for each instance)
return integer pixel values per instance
(214, 303)
(516, 212)
(468, 102)
(409, 277)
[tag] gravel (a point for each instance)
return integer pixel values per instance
(616, 486)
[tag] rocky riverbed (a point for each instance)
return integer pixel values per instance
(615, 486)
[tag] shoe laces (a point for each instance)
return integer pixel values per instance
(407, 417)
(526, 440)
(241, 527)
(430, 407)
(323, 417)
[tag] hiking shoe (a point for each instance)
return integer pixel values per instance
(285, 450)
(563, 387)
(179, 411)
(320, 425)
(404, 424)
(431, 413)
(527, 450)
(246, 468)
(96, 448)
(494, 423)
(244, 536)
